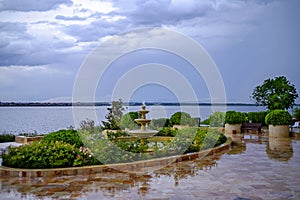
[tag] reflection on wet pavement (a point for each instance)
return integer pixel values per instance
(254, 168)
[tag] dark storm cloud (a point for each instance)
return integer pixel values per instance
(259, 1)
(12, 42)
(13, 28)
(31, 5)
(17, 47)
(143, 13)
(34, 52)
(158, 12)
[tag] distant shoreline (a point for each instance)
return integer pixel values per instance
(68, 104)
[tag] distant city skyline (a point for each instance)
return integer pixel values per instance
(43, 45)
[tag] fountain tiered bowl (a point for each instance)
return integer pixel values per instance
(143, 132)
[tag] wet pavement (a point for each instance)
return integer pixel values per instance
(254, 168)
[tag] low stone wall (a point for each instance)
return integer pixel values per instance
(230, 127)
(26, 140)
(136, 167)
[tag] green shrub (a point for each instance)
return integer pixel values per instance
(257, 117)
(135, 146)
(89, 125)
(206, 121)
(195, 139)
(127, 121)
(195, 121)
(278, 117)
(207, 138)
(297, 113)
(7, 138)
(159, 123)
(213, 138)
(85, 157)
(186, 140)
(115, 134)
(167, 132)
(68, 136)
(180, 118)
(217, 119)
(41, 155)
(233, 117)
(108, 152)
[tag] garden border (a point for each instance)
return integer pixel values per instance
(130, 167)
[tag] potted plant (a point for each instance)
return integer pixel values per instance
(234, 120)
(279, 121)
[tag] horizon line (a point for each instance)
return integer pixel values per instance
(131, 103)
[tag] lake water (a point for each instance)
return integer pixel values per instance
(42, 120)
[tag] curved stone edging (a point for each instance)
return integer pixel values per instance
(130, 167)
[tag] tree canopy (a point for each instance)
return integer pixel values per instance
(277, 93)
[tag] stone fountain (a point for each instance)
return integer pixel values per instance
(143, 132)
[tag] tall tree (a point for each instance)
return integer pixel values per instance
(277, 93)
(114, 115)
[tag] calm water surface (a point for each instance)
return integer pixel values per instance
(254, 168)
(46, 119)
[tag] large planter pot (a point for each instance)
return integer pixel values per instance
(279, 131)
(230, 127)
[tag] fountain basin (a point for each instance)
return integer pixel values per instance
(143, 134)
(143, 121)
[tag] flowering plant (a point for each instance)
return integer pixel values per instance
(85, 157)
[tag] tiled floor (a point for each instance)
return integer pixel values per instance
(255, 168)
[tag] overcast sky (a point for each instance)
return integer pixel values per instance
(44, 43)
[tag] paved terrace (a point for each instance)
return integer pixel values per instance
(254, 168)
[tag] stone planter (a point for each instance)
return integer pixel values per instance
(26, 140)
(279, 131)
(280, 144)
(230, 127)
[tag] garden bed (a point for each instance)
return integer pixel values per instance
(77, 148)
(138, 166)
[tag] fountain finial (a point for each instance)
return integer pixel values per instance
(143, 107)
